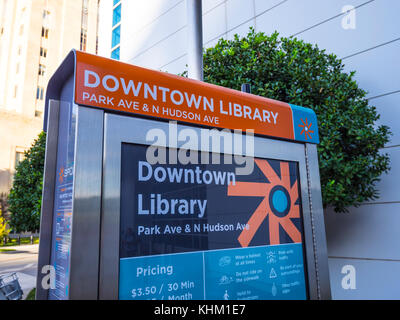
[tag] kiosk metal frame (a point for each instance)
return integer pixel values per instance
(94, 251)
(120, 129)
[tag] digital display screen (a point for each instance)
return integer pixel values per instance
(203, 232)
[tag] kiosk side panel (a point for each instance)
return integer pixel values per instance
(320, 249)
(87, 205)
(49, 180)
(63, 195)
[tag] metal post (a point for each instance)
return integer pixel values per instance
(195, 39)
(246, 87)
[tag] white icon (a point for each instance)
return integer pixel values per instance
(271, 258)
(226, 295)
(272, 274)
(225, 261)
(274, 290)
(225, 280)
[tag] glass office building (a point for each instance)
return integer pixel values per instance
(116, 30)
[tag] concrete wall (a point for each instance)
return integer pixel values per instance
(17, 134)
(154, 36)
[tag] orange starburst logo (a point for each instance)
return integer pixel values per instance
(306, 129)
(61, 175)
(278, 204)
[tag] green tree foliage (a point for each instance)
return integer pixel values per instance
(290, 70)
(25, 197)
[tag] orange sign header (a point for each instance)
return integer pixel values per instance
(112, 85)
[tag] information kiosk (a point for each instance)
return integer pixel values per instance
(161, 187)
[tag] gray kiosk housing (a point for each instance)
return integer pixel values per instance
(86, 142)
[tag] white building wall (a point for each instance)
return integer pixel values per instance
(105, 22)
(154, 36)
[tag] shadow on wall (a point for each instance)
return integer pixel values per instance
(343, 229)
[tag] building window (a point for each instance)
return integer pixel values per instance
(17, 68)
(85, 12)
(116, 32)
(117, 15)
(84, 25)
(45, 14)
(21, 30)
(45, 33)
(43, 52)
(97, 26)
(39, 93)
(46, 17)
(42, 69)
(116, 36)
(115, 54)
(19, 51)
(15, 91)
(83, 40)
(19, 156)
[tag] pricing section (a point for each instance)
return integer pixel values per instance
(166, 277)
(268, 272)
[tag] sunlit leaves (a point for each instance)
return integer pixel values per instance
(26, 194)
